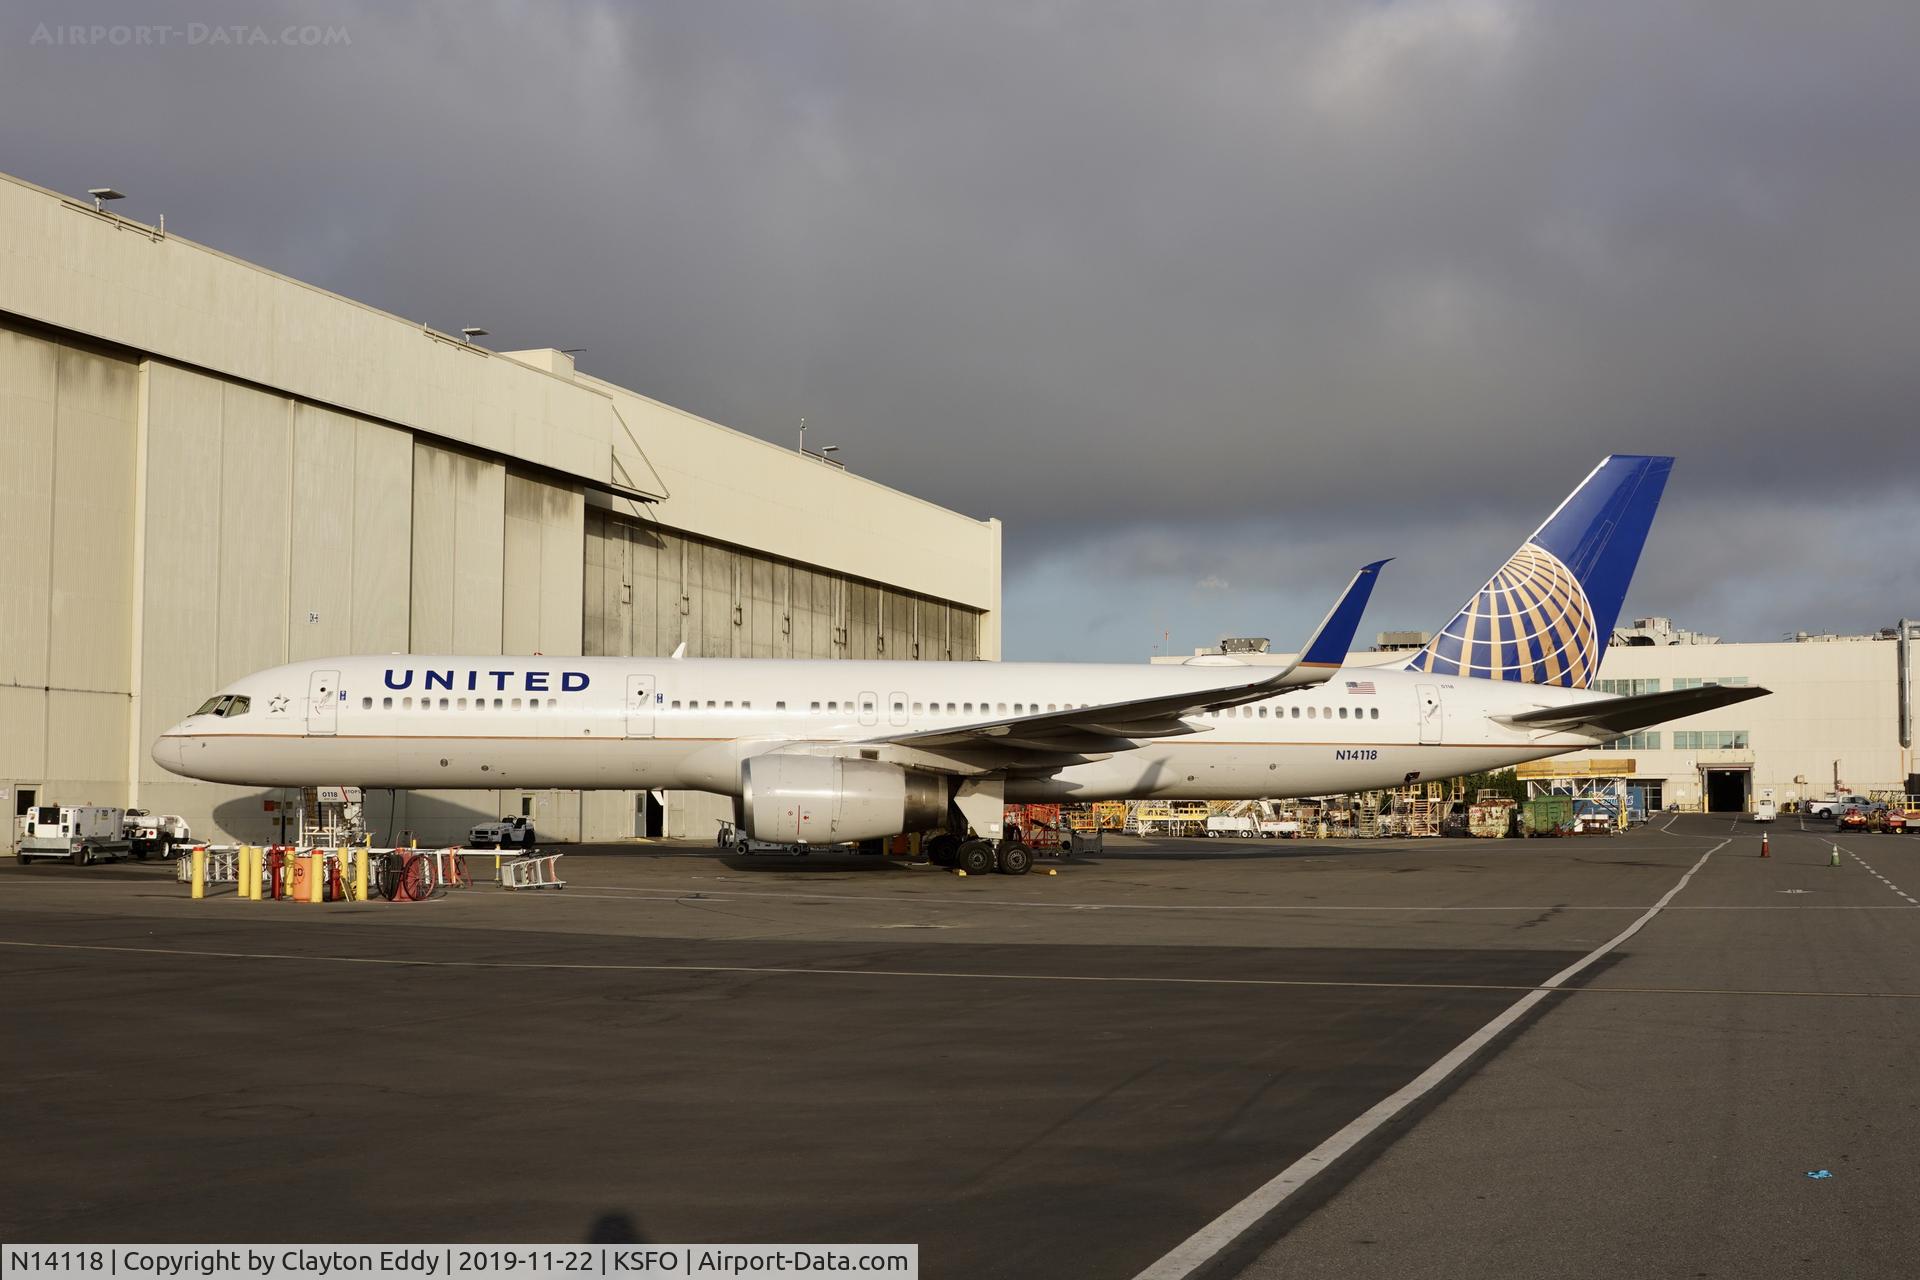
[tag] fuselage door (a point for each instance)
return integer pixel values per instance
(639, 706)
(323, 695)
(869, 708)
(1430, 713)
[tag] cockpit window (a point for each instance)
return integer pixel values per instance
(224, 704)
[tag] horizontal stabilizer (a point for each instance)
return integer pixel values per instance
(1624, 715)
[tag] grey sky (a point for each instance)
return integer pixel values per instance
(1188, 293)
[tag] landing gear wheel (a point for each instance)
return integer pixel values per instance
(941, 848)
(975, 857)
(1015, 859)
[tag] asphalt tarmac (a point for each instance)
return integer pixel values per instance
(1038, 1076)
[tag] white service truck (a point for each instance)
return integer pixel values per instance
(80, 833)
(516, 832)
(150, 833)
(1226, 826)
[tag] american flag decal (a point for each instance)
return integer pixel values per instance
(1360, 686)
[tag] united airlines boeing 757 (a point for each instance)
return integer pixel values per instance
(824, 751)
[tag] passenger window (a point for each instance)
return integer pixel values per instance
(406, 704)
(1052, 707)
(1002, 708)
(918, 707)
(498, 703)
(1373, 712)
(898, 707)
(366, 704)
(460, 704)
(516, 704)
(833, 706)
(386, 704)
(443, 704)
(710, 704)
(967, 707)
(814, 707)
(1343, 713)
(780, 705)
(746, 706)
(676, 704)
(1296, 713)
(1311, 714)
(1263, 713)
(729, 704)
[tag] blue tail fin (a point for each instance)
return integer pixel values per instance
(1546, 616)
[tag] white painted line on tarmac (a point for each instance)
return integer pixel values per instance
(1206, 1244)
(1877, 876)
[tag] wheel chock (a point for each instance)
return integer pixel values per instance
(960, 871)
(1052, 871)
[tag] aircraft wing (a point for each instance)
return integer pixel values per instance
(1623, 715)
(1117, 726)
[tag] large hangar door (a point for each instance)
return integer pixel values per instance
(639, 706)
(1728, 790)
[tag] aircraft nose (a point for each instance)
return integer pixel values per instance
(167, 752)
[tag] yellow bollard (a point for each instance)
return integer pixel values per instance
(242, 868)
(360, 875)
(316, 875)
(199, 871)
(256, 887)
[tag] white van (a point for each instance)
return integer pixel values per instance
(1764, 810)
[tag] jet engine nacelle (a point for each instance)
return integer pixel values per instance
(801, 799)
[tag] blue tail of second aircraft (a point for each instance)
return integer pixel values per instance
(1546, 616)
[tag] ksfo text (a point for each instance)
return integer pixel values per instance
(720, 1262)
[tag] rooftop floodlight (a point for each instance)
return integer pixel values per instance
(829, 448)
(467, 335)
(103, 194)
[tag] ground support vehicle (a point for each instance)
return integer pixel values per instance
(78, 833)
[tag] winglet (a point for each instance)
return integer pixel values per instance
(1329, 646)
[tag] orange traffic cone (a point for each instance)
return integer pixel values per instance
(1763, 846)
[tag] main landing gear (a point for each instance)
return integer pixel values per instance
(977, 857)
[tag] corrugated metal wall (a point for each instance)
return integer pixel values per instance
(66, 484)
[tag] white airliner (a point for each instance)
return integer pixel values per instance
(824, 751)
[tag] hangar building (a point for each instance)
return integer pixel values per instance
(207, 468)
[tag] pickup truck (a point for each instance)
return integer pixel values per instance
(1835, 805)
(516, 831)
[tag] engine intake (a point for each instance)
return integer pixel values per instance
(802, 799)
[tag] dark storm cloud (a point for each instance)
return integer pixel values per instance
(1181, 291)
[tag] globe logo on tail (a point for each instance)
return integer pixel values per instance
(1532, 622)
